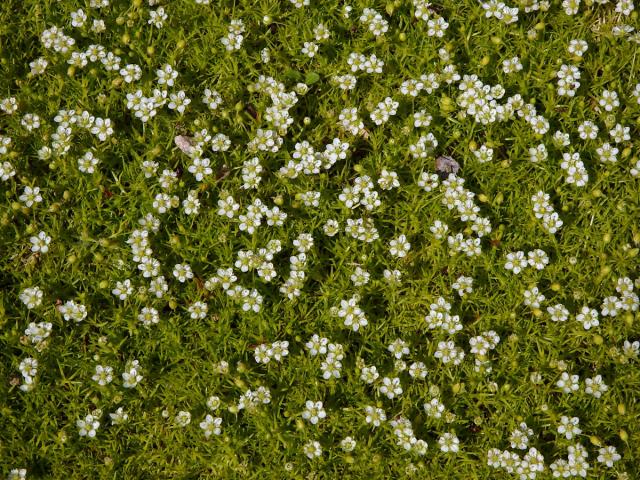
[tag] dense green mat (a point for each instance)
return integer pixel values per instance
(317, 239)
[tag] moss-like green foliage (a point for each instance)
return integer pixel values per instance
(317, 239)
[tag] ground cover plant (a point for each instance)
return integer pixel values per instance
(316, 239)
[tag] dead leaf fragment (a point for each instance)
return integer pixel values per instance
(446, 165)
(185, 144)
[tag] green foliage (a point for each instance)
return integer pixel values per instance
(184, 361)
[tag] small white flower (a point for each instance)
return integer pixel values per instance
(309, 49)
(103, 375)
(182, 272)
(608, 456)
(348, 444)
(40, 243)
(399, 247)
(183, 418)
(516, 261)
(32, 297)
(569, 427)
(211, 425)
(312, 449)
(313, 412)
(131, 376)
(375, 416)
(588, 317)
(88, 426)
(449, 442)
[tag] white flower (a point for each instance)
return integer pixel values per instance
(102, 128)
(118, 417)
(178, 101)
(131, 377)
(38, 332)
(78, 18)
(558, 313)
(533, 298)
(317, 345)
(448, 352)
(279, 350)
(211, 99)
(157, 17)
(148, 316)
(463, 285)
(610, 306)
(30, 196)
(588, 317)
(309, 49)
(88, 426)
(6, 169)
(569, 427)
(516, 261)
(31, 297)
(17, 474)
(211, 425)
(353, 316)
(73, 311)
(28, 368)
(166, 75)
(418, 370)
(608, 456)
(38, 66)
(519, 438)
(182, 272)
(390, 387)
(103, 375)
(313, 412)
(399, 247)
(568, 383)
(213, 403)
(484, 154)
(312, 449)
(538, 259)
(348, 444)
(388, 180)
(131, 73)
(183, 418)
(198, 310)
(123, 289)
(578, 47)
(375, 416)
(449, 442)
(398, 348)
(434, 408)
(40, 243)
(263, 353)
(595, 386)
